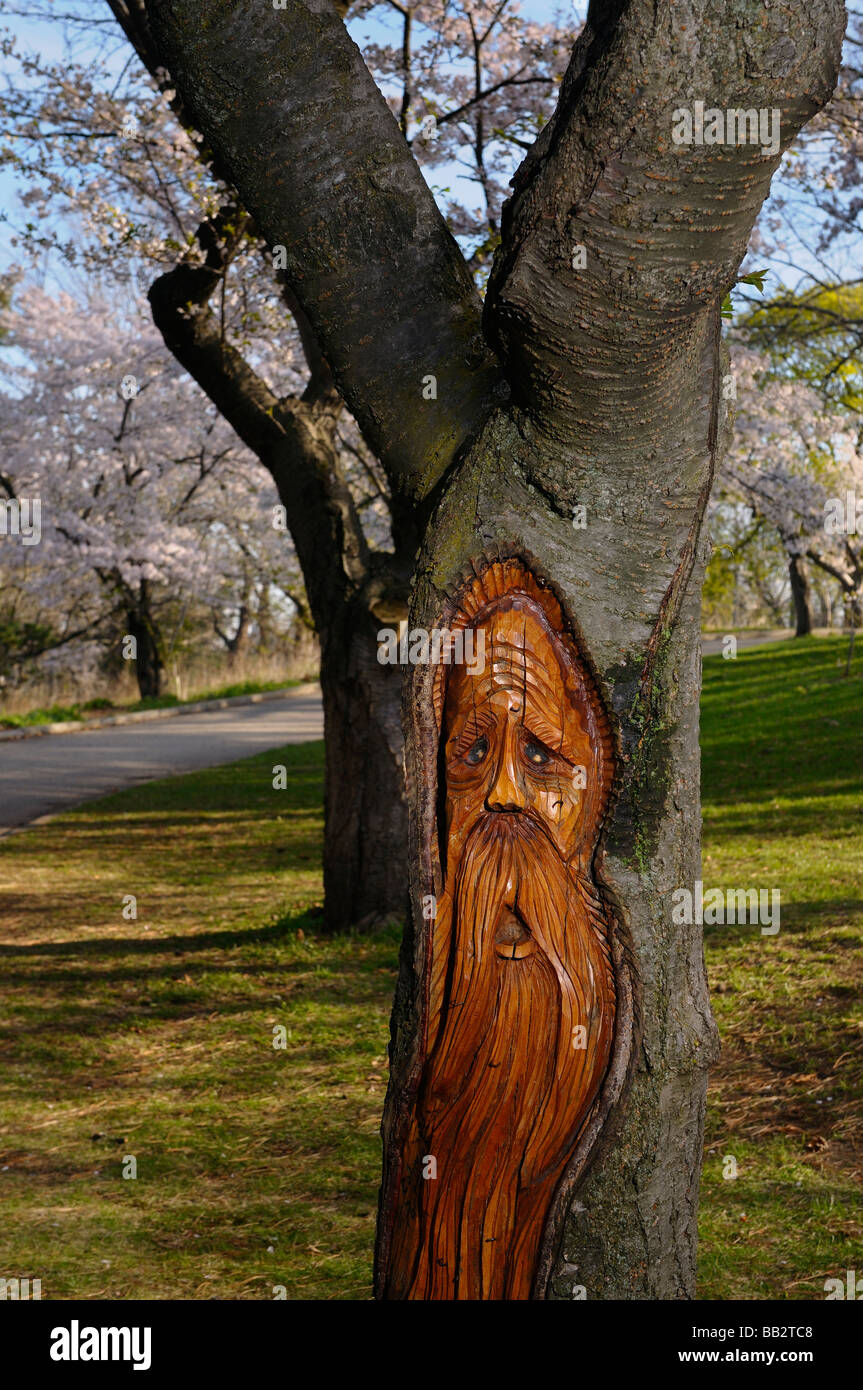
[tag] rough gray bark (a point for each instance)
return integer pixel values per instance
(365, 848)
(615, 371)
(300, 128)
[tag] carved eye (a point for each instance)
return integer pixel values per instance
(536, 753)
(477, 751)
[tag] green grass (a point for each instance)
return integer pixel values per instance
(259, 1167)
(62, 714)
(782, 740)
(154, 1038)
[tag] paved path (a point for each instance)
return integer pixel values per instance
(40, 776)
(711, 645)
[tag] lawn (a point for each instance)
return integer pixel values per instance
(151, 1038)
(782, 738)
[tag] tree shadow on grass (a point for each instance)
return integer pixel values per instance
(320, 971)
(799, 918)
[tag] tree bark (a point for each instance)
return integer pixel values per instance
(365, 849)
(800, 596)
(149, 667)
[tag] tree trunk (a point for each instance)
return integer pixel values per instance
(365, 834)
(365, 822)
(596, 481)
(800, 595)
(623, 1220)
(238, 645)
(825, 602)
(365, 847)
(149, 668)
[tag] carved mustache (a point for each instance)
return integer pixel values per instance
(506, 827)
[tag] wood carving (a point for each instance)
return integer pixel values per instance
(520, 998)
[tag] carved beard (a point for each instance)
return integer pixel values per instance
(505, 1091)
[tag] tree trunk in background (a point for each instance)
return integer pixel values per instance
(365, 831)
(149, 668)
(800, 595)
(825, 601)
(365, 811)
(365, 848)
(239, 643)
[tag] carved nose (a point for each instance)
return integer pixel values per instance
(505, 795)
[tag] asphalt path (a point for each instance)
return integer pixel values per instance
(713, 644)
(41, 776)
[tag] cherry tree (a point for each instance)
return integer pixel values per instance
(586, 388)
(144, 491)
(796, 462)
(809, 233)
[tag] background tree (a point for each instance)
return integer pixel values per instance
(797, 446)
(151, 509)
(808, 332)
(151, 196)
(747, 576)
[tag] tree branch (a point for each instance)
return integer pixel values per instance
(845, 580)
(489, 91)
(603, 352)
(285, 100)
(294, 439)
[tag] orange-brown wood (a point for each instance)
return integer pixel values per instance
(521, 1001)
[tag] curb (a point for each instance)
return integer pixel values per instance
(173, 711)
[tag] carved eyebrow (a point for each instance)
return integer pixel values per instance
(537, 727)
(476, 724)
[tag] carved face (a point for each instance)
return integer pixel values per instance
(514, 741)
(521, 998)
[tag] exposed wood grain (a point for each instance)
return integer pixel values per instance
(521, 1005)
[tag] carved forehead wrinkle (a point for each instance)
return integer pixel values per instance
(520, 658)
(508, 670)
